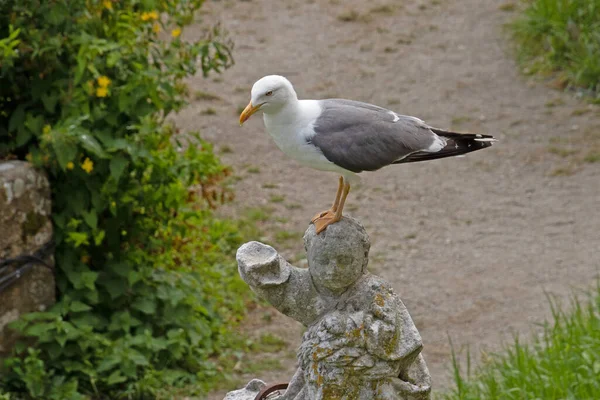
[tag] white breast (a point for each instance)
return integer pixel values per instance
(292, 127)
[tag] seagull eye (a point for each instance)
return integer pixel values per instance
(269, 93)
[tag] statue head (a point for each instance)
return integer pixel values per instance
(338, 256)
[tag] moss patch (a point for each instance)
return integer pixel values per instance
(32, 224)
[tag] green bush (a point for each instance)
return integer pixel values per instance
(562, 36)
(146, 288)
(562, 363)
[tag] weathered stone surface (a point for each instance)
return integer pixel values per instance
(247, 393)
(25, 226)
(361, 343)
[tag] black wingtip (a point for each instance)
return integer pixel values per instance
(457, 144)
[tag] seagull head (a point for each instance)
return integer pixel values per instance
(269, 94)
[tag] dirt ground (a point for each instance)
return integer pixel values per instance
(471, 244)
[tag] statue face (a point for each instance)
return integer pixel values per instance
(335, 271)
(338, 256)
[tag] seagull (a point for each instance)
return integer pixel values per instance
(348, 137)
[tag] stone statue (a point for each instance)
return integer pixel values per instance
(361, 343)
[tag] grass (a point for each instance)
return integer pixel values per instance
(561, 363)
(206, 96)
(285, 236)
(269, 343)
(592, 157)
(276, 198)
(258, 214)
(209, 111)
(353, 16)
(567, 170)
(577, 149)
(349, 16)
(561, 37)
(562, 152)
(460, 120)
(225, 149)
(382, 9)
(508, 7)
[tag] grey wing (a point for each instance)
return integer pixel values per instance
(363, 137)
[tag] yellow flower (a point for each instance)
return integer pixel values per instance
(70, 165)
(107, 4)
(146, 16)
(176, 32)
(88, 165)
(113, 204)
(102, 92)
(46, 129)
(104, 81)
(156, 28)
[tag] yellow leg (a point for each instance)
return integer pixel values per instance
(338, 195)
(334, 207)
(322, 223)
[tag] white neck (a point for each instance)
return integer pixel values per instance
(294, 116)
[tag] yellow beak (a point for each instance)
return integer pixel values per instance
(248, 111)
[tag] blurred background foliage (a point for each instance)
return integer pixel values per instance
(561, 37)
(147, 284)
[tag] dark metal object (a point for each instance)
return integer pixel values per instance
(24, 263)
(270, 389)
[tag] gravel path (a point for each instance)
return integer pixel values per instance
(470, 244)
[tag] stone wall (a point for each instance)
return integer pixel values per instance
(25, 226)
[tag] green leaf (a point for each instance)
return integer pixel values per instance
(23, 136)
(147, 305)
(109, 362)
(65, 152)
(88, 279)
(88, 320)
(115, 287)
(78, 238)
(54, 350)
(99, 237)
(133, 277)
(34, 123)
(92, 145)
(16, 119)
(123, 101)
(59, 220)
(81, 67)
(78, 306)
(90, 218)
(116, 377)
(113, 58)
(49, 101)
(117, 165)
(57, 13)
(40, 329)
(61, 339)
(137, 357)
(92, 296)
